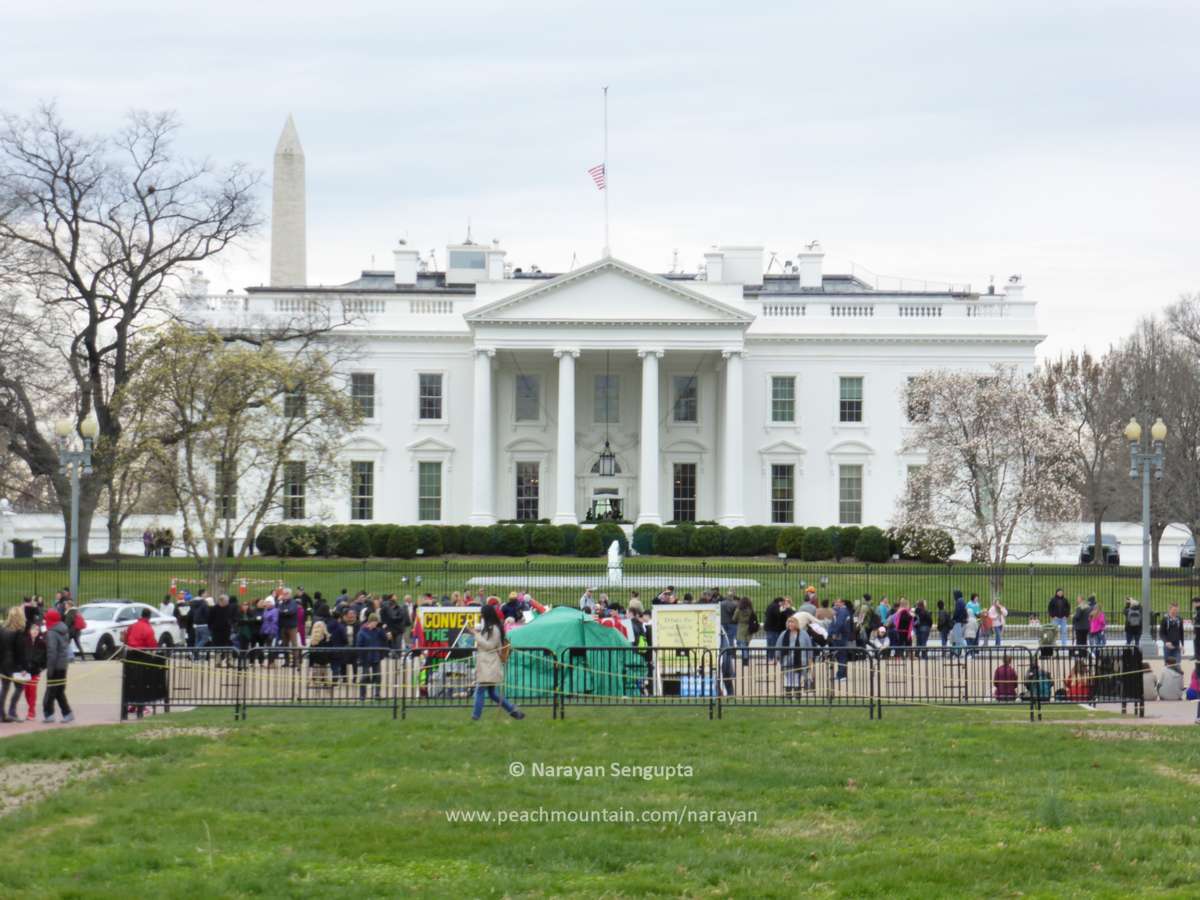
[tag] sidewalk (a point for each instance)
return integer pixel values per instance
(93, 689)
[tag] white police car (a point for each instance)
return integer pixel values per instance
(106, 621)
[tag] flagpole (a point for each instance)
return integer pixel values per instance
(606, 179)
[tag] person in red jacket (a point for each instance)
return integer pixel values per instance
(139, 637)
(1004, 680)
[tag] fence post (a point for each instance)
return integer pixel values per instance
(118, 567)
(124, 705)
(873, 685)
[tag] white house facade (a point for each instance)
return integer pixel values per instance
(731, 394)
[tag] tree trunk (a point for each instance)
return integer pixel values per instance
(1156, 533)
(89, 499)
(1098, 558)
(114, 535)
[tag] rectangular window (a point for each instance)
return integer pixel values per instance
(429, 395)
(467, 259)
(362, 489)
(429, 491)
(528, 401)
(294, 474)
(851, 400)
(607, 399)
(850, 483)
(915, 408)
(225, 490)
(527, 491)
(362, 392)
(685, 401)
(783, 399)
(783, 493)
(294, 403)
(683, 507)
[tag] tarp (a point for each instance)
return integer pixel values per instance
(590, 670)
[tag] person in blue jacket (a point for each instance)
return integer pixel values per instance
(337, 643)
(372, 646)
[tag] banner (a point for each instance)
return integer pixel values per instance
(678, 625)
(442, 626)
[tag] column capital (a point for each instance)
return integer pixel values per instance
(560, 352)
(733, 351)
(657, 352)
(486, 351)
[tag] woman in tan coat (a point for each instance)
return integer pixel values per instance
(489, 667)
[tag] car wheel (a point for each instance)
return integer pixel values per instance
(166, 641)
(105, 648)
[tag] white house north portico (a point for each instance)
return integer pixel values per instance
(730, 393)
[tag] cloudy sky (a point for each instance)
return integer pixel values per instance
(940, 140)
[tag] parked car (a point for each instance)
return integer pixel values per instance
(1110, 545)
(1187, 554)
(107, 621)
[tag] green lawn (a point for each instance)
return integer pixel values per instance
(1025, 588)
(941, 802)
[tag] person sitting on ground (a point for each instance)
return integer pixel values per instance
(1170, 682)
(1078, 684)
(880, 642)
(1004, 680)
(1193, 691)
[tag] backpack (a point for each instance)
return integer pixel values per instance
(904, 622)
(38, 663)
(1133, 617)
(753, 626)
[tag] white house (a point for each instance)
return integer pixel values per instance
(730, 394)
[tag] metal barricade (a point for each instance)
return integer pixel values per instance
(1092, 675)
(635, 676)
(445, 678)
(810, 676)
(954, 676)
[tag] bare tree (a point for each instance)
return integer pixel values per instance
(996, 473)
(1083, 396)
(246, 421)
(95, 233)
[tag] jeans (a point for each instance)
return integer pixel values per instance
(1062, 630)
(840, 656)
(730, 633)
(1097, 639)
(923, 635)
(945, 637)
(369, 675)
(772, 639)
(1132, 637)
(997, 630)
(745, 648)
(203, 638)
(490, 690)
(956, 636)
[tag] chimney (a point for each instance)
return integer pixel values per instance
(808, 261)
(407, 259)
(743, 265)
(1015, 290)
(714, 265)
(495, 263)
(198, 285)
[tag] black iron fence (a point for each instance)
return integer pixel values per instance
(825, 677)
(1025, 590)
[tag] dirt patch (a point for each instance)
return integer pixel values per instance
(1192, 778)
(165, 734)
(24, 783)
(1115, 734)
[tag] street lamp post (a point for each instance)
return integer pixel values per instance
(75, 463)
(1141, 462)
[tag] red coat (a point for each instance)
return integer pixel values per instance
(140, 636)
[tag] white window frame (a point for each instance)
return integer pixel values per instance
(620, 397)
(543, 382)
(837, 401)
(769, 421)
(783, 453)
(862, 491)
(442, 480)
(796, 472)
(416, 395)
(541, 470)
(376, 404)
(374, 489)
(697, 378)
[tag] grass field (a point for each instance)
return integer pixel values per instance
(927, 803)
(1025, 588)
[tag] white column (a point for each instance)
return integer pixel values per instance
(648, 499)
(564, 461)
(483, 466)
(732, 474)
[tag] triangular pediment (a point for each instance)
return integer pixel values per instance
(609, 291)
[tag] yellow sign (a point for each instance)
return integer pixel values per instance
(686, 625)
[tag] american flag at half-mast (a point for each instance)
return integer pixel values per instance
(597, 173)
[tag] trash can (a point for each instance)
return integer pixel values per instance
(22, 549)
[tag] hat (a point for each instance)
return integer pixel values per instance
(512, 595)
(810, 590)
(53, 617)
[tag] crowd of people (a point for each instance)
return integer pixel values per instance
(38, 644)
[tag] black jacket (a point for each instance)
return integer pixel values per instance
(924, 617)
(220, 623)
(12, 651)
(1059, 607)
(395, 618)
(1171, 631)
(1081, 621)
(728, 608)
(774, 618)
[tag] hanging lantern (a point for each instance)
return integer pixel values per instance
(607, 464)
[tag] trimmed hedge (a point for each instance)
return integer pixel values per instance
(671, 542)
(742, 541)
(403, 541)
(547, 539)
(873, 545)
(429, 539)
(510, 540)
(609, 532)
(643, 538)
(570, 534)
(816, 545)
(850, 536)
(791, 542)
(354, 542)
(706, 541)
(477, 540)
(589, 543)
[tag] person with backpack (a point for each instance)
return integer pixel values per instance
(58, 657)
(924, 624)
(774, 624)
(905, 622)
(1170, 632)
(841, 633)
(490, 658)
(944, 622)
(75, 625)
(1133, 622)
(1059, 609)
(1081, 622)
(746, 623)
(35, 657)
(958, 620)
(1037, 682)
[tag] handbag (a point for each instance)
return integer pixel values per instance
(504, 651)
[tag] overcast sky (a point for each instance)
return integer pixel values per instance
(941, 140)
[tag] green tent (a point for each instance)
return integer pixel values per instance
(596, 660)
